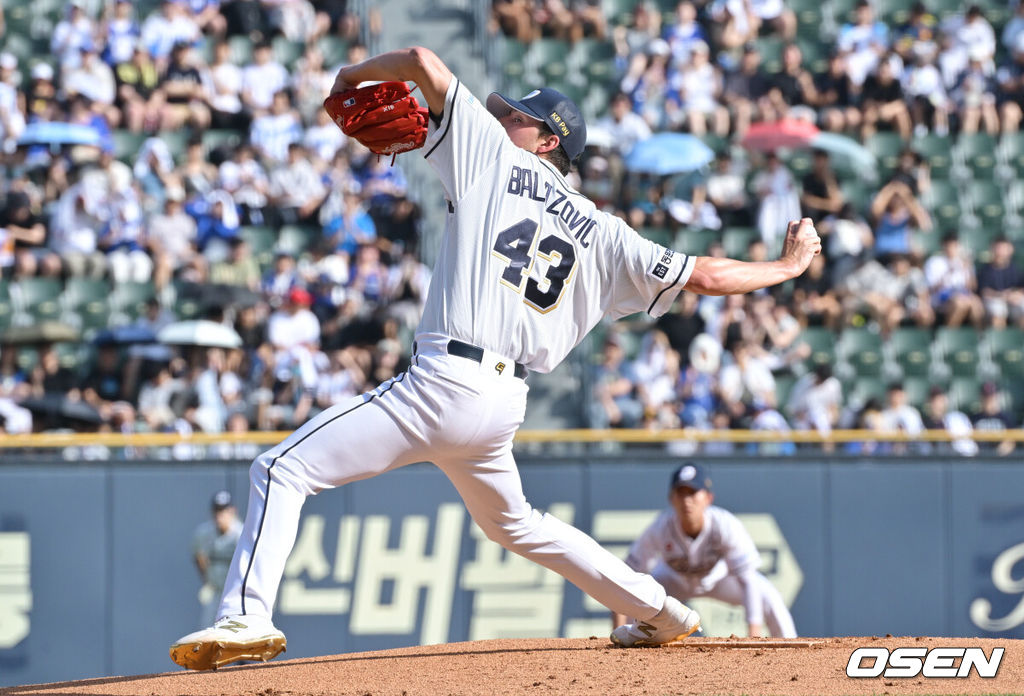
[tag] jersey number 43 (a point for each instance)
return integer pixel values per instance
(517, 246)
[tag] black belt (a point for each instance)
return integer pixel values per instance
(464, 350)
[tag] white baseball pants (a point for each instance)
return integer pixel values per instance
(729, 590)
(455, 412)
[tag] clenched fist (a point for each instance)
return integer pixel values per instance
(802, 244)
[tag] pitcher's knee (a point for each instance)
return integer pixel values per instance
(509, 529)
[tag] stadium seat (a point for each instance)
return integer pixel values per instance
(186, 299)
(1005, 348)
(129, 299)
(286, 52)
(858, 194)
(335, 50)
(548, 58)
(37, 297)
(214, 138)
(937, 151)
(736, 240)
(987, 203)
(823, 345)
(886, 146)
(808, 18)
(1010, 153)
(6, 304)
(977, 153)
(916, 389)
(943, 201)
(619, 12)
(896, 12)
(658, 235)
(513, 61)
(296, 239)
(177, 142)
(958, 347)
(978, 240)
(863, 389)
(771, 53)
(127, 144)
(241, 50)
(944, 9)
(695, 241)
(910, 349)
(261, 243)
(595, 59)
(965, 394)
(88, 301)
(861, 349)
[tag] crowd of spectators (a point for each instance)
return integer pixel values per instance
(890, 260)
(227, 150)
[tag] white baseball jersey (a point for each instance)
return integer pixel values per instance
(528, 266)
(723, 549)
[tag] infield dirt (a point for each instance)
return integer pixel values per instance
(567, 666)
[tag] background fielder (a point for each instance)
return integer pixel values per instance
(527, 267)
(696, 549)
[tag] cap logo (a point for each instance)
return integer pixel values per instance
(560, 123)
(687, 473)
(531, 95)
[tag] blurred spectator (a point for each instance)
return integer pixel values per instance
(369, 276)
(746, 92)
(793, 92)
(71, 32)
(353, 226)
(820, 194)
(780, 201)
(685, 35)
(883, 101)
(310, 83)
(766, 417)
(951, 281)
(590, 20)
(164, 29)
(296, 190)
(23, 237)
(937, 416)
(224, 90)
(694, 92)
(625, 127)
(217, 223)
(992, 417)
(748, 377)
(683, 323)
(1014, 29)
(615, 403)
(697, 388)
(239, 269)
(848, 239)
(1010, 77)
(735, 22)
(294, 333)
(834, 98)
(897, 214)
(119, 32)
(274, 131)
(138, 94)
(514, 18)
(183, 92)
(925, 91)
(76, 218)
(646, 82)
(262, 80)
(888, 295)
(863, 43)
(245, 179)
(323, 139)
(920, 27)
(899, 415)
(48, 376)
(197, 174)
(656, 372)
(296, 20)
(913, 170)
(816, 401)
(171, 238)
(635, 38)
(154, 172)
(727, 191)
(555, 19)
(341, 381)
(207, 16)
(814, 300)
(40, 96)
(975, 37)
(92, 78)
(1001, 285)
(280, 278)
(974, 96)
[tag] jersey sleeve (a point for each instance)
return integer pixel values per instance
(738, 548)
(645, 277)
(465, 143)
(646, 550)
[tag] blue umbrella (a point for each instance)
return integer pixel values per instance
(59, 133)
(669, 153)
(846, 153)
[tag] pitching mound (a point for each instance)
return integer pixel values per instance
(567, 667)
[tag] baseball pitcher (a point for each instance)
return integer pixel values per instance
(527, 267)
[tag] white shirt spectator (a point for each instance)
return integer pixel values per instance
(246, 181)
(92, 78)
(296, 184)
(70, 35)
(324, 138)
(272, 134)
(76, 219)
(160, 33)
(226, 88)
(905, 418)
(262, 82)
(815, 404)
(862, 44)
(286, 330)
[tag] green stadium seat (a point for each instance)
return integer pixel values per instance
(965, 394)
(241, 50)
(296, 239)
(863, 389)
(958, 347)
(916, 389)
(513, 61)
(987, 203)
(976, 152)
(658, 235)
(130, 298)
(937, 151)
(127, 145)
(549, 58)
(186, 304)
(221, 137)
(861, 349)
(886, 147)
(771, 53)
(177, 142)
(595, 59)
(619, 12)
(823, 345)
(335, 50)
(944, 9)
(695, 241)
(38, 297)
(1005, 348)
(943, 201)
(809, 16)
(261, 243)
(286, 51)
(6, 304)
(978, 240)
(736, 241)
(896, 12)
(911, 349)
(1010, 153)
(783, 388)
(88, 300)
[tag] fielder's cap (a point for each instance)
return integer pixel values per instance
(221, 500)
(553, 108)
(690, 475)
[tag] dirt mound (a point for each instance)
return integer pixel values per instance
(568, 667)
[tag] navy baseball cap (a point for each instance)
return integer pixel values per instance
(221, 500)
(690, 475)
(553, 108)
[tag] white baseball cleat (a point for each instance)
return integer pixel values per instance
(230, 639)
(674, 622)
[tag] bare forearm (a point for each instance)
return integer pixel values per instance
(722, 276)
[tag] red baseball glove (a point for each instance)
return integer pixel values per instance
(384, 117)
